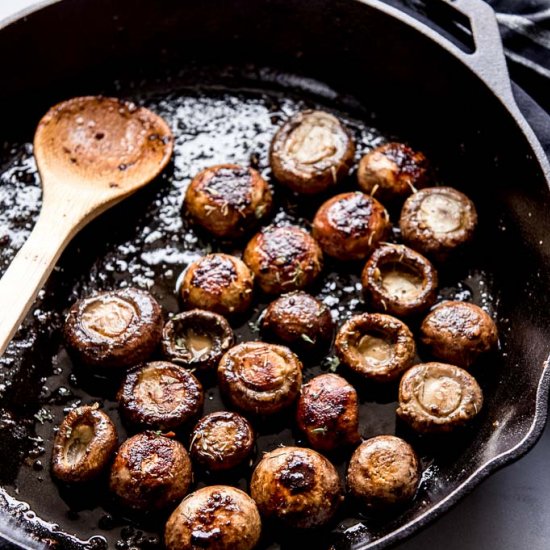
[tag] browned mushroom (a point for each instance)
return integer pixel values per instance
(260, 378)
(399, 281)
(84, 444)
(160, 395)
(283, 258)
(350, 225)
(217, 517)
(196, 339)
(376, 346)
(458, 333)
(114, 329)
(221, 440)
(384, 471)
(297, 486)
(219, 283)
(150, 472)
(328, 412)
(392, 171)
(436, 397)
(437, 221)
(311, 152)
(228, 199)
(298, 320)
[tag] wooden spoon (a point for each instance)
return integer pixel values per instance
(91, 153)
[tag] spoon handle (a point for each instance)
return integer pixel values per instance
(32, 265)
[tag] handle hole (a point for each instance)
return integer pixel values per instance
(447, 20)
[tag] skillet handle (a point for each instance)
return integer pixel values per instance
(488, 60)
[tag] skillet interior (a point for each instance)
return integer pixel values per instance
(386, 76)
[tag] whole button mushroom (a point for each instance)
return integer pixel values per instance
(458, 333)
(160, 395)
(221, 440)
(376, 346)
(119, 328)
(228, 199)
(349, 226)
(84, 444)
(217, 517)
(150, 472)
(437, 221)
(384, 471)
(283, 258)
(298, 320)
(399, 281)
(311, 152)
(436, 397)
(218, 282)
(196, 339)
(392, 171)
(297, 486)
(328, 412)
(260, 378)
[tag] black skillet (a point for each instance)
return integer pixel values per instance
(225, 73)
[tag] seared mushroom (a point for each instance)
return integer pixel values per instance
(376, 346)
(298, 320)
(384, 471)
(196, 339)
(438, 220)
(219, 283)
(311, 152)
(283, 259)
(297, 486)
(114, 329)
(228, 199)
(150, 472)
(399, 280)
(459, 333)
(217, 517)
(83, 445)
(328, 412)
(436, 397)
(160, 395)
(350, 225)
(260, 378)
(221, 440)
(392, 172)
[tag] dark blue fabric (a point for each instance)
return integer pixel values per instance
(525, 31)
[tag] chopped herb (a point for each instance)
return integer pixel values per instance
(307, 339)
(333, 363)
(322, 430)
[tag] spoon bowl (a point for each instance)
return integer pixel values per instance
(91, 153)
(103, 143)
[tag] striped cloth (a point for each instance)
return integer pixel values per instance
(525, 31)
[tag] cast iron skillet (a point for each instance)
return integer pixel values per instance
(235, 68)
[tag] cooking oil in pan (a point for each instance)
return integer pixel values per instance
(147, 242)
